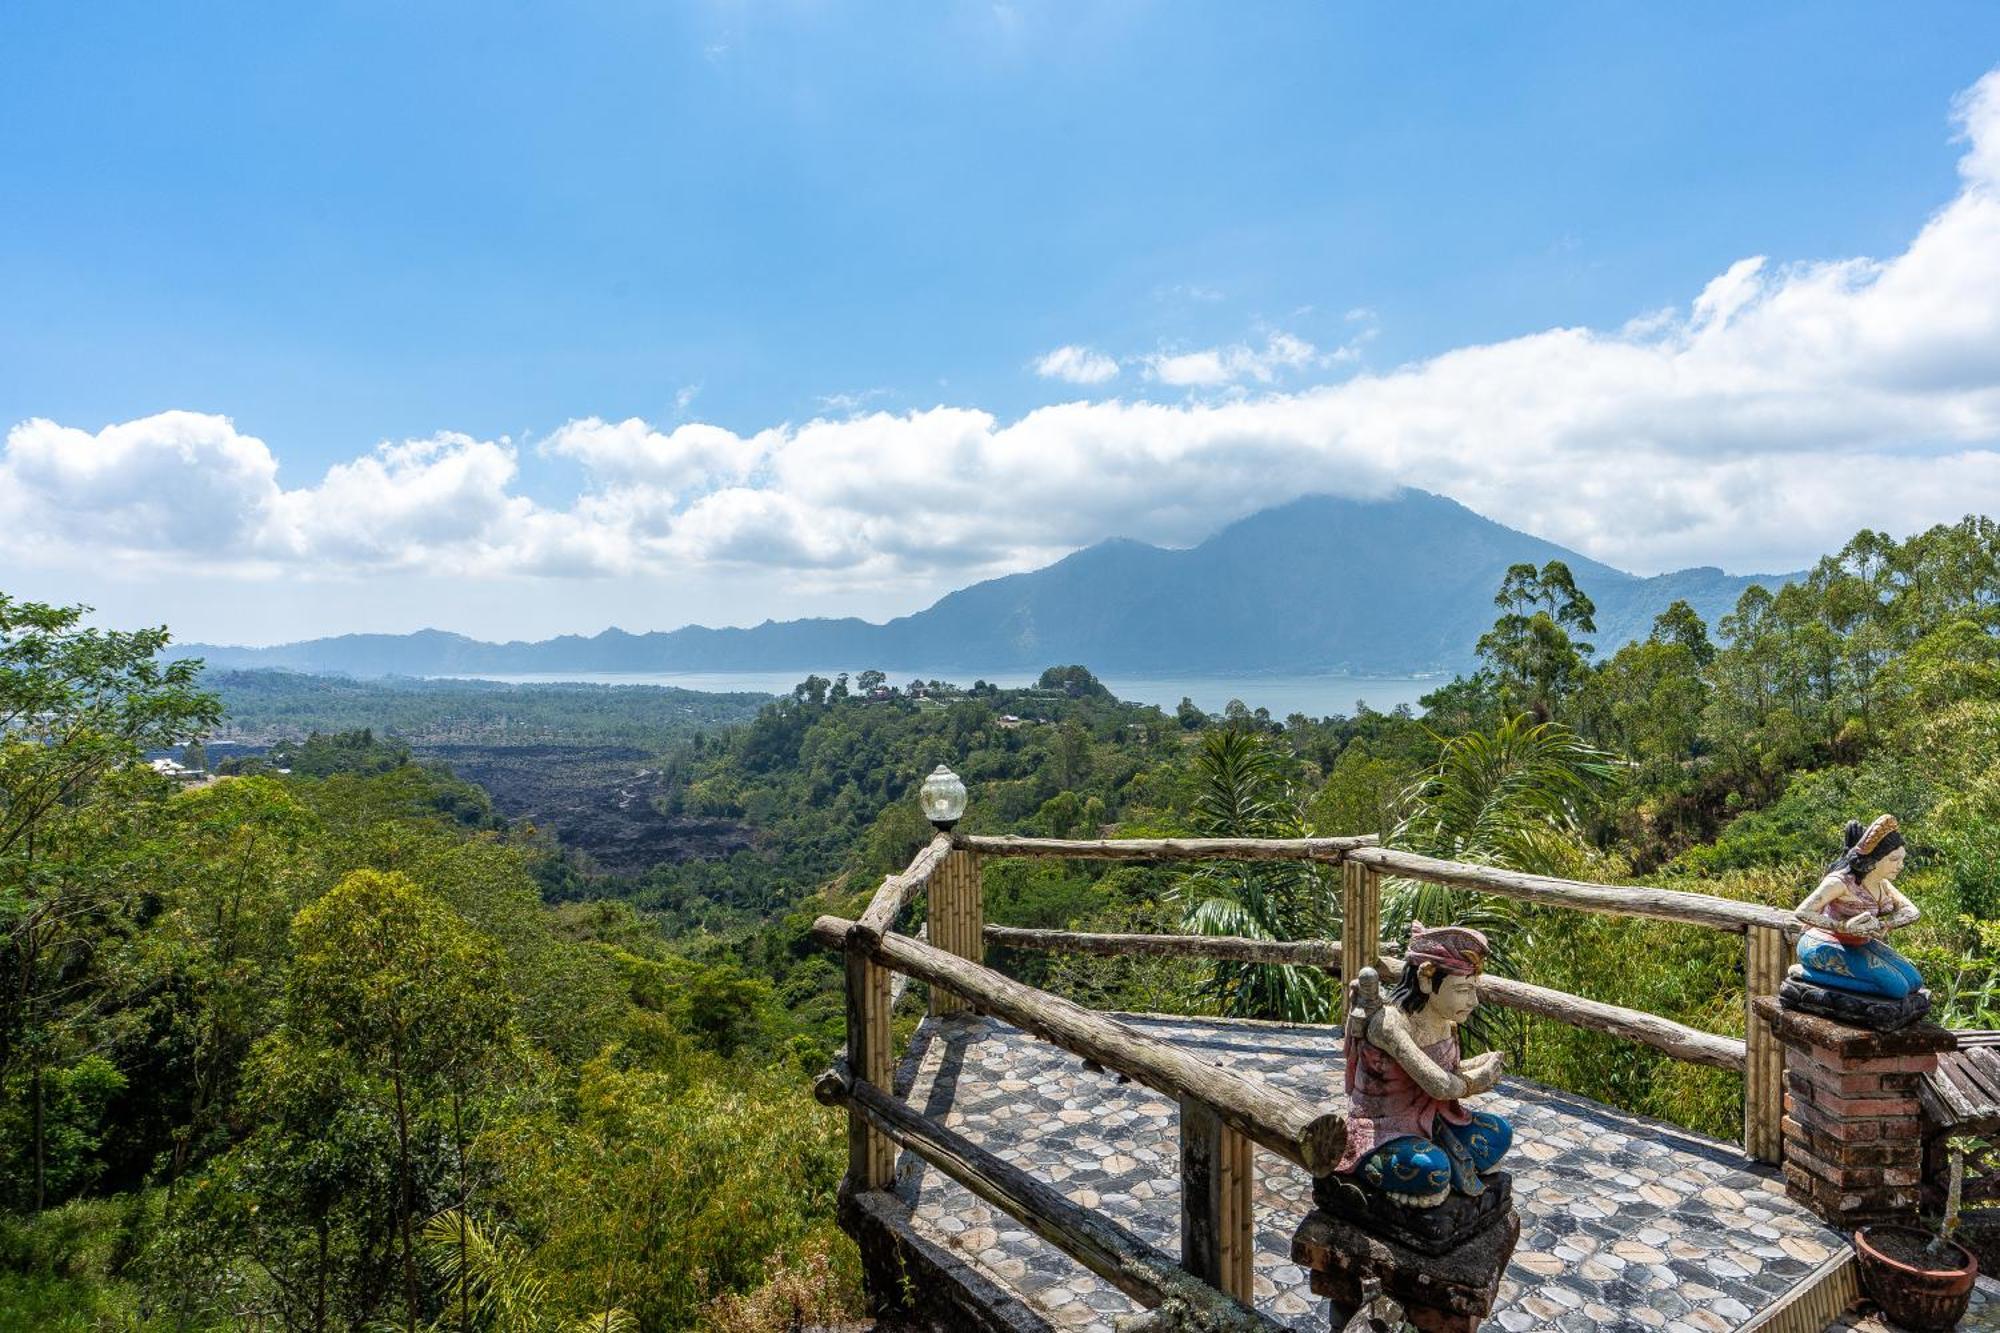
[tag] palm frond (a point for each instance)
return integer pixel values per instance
(492, 1269)
(1510, 798)
(617, 1319)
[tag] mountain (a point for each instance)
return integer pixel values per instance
(1323, 584)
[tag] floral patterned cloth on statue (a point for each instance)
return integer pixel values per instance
(1850, 912)
(1407, 1131)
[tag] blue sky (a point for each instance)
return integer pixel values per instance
(470, 231)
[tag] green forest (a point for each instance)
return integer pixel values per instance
(345, 1046)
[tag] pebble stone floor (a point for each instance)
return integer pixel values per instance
(1627, 1225)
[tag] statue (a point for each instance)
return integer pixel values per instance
(1846, 969)
(1417, 1162)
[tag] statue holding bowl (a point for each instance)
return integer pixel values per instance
(1418, 1162)
(1846, 969)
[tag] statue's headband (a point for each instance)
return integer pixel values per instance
(1458, 949)
(1872, 838)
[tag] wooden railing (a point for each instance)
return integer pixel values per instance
(1766, 930)
(1222, 1111)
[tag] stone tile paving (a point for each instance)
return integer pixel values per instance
(1627, 1224)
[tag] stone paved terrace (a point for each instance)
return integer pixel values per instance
(1627, 1224)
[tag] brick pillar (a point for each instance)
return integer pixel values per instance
(1853, 1140)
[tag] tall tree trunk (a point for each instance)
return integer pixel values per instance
(41, 1138)
(319, 1289)
(464, 1202)
(408, 1192)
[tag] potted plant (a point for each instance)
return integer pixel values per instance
(1922, 1281)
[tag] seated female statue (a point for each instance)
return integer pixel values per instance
(1852, 912)
(1407, 1133)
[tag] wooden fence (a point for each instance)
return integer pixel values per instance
(1222, 1112)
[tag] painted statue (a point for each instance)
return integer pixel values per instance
(1408, 1134)
(1848, 918)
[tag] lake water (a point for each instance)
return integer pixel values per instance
(1313, 695)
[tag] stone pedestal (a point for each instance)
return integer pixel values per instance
(1437, 1230)
(1440, 1293)
(1853, 1141)
(1874, 1012)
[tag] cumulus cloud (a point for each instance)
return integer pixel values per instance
(1213, 367)
(630, 451)
(1077, 365)
(1786, 405)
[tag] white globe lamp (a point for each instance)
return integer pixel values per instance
(943, 798)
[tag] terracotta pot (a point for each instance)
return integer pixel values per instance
(1920, 1299)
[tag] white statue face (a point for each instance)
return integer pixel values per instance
(1455, 997)
(1889, 866)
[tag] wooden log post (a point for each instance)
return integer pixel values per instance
(1360, 919)
(1763, 1054)
(871, 1157)
(957, 920)
(1218, 1235)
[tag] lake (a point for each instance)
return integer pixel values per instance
(1314, 695)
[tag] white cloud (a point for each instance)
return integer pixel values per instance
(1783, 407)
(630, 451)
(1213, 367)
(1077, 365)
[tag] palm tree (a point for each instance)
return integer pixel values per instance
(1509, 798)
(1242, 794)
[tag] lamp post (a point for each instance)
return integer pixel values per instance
(943, 798)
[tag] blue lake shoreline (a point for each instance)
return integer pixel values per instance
(1283, 694)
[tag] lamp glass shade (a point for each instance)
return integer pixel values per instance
(942, 797)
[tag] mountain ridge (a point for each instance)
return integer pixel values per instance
(1401, 586)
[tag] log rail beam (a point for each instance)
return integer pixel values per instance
(1662, 1034)
(1698, 909)
(896, 891)
(1284, 1122)
(1168, 849)
(1099, 1244)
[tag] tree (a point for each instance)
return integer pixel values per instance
(1075, 681)
(1072, 754)
(1189, 716)
(391, 977)
(231, 866)
(1535, 659)
(1682, 624)
(870, 681)
(77, 706)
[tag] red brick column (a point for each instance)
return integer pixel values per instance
(1853, 1141)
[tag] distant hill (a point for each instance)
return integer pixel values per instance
(1388, 587)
